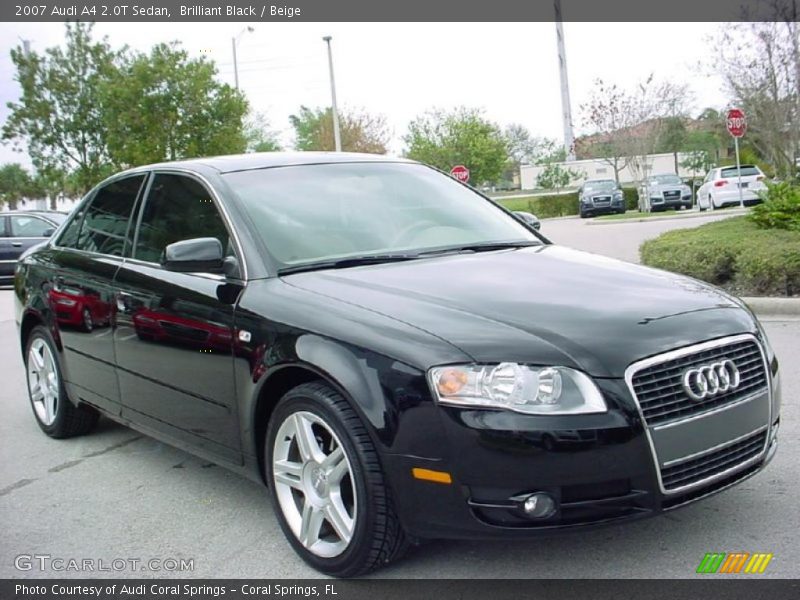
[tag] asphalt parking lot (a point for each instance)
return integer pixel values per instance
(118, 494)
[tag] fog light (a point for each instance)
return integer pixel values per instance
(539, 506)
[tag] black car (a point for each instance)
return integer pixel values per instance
(19, 230)
(394, 355)
(600, 197)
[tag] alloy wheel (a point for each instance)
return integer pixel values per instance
(43, 381)
(87, 320)
(313, 481)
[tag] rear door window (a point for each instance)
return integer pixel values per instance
(104, 226)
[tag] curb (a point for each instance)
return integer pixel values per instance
(693, 214)
(785, 307)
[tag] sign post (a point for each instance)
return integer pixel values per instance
(461, 173)
(737, 125)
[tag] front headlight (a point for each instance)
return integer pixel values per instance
(510, 386)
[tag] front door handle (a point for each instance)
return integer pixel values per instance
(16, 244)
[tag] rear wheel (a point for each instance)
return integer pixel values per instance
(56, 415)
(327, 485)
(711, 203)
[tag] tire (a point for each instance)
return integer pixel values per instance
(88, 323)
(55, 413)
(711, 203)
(302, 495)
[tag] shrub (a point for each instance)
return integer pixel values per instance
(552, 205)
(734, 253)
(780, 209)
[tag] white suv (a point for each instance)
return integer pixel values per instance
(721, 187)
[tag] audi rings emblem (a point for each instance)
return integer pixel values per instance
(711, 380)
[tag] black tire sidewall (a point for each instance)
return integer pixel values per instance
(40, 332)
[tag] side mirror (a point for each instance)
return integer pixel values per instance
(199, 255)
(48, 232)
(529, 219)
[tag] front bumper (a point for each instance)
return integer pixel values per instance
(599, 468)
(662, 203)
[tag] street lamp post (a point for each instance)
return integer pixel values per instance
(337, 139)
(234, 42)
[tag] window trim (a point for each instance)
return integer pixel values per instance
(219, 205)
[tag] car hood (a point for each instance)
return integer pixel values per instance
(667, 186)
(540, 305)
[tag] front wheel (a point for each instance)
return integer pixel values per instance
(327, 485)
(56, 415)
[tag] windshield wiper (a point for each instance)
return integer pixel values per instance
(344, 263)
(483, 247)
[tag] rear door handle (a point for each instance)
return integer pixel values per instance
(16, 244)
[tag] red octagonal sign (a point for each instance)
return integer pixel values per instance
(736, 122)
(461, 173)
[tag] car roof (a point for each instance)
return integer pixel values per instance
(266, 160)
(38, 213)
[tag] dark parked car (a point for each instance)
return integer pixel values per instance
(19, 230)
(600, 197)
(394, 355)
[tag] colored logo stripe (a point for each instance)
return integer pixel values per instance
(734, 562)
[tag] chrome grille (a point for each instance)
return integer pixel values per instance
(659, 388)
(601, 200)
(714, 463)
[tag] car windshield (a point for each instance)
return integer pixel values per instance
(604, 185)
(313, 213)
(667, 179)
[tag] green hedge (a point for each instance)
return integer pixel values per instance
(734, 253)
(780, 209)
(559, 205)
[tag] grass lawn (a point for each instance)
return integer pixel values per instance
(733, 253)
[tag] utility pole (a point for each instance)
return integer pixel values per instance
(234, 42)
(337, 139)
(566, 107)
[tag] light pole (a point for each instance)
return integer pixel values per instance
(235, 40)
(337, 139)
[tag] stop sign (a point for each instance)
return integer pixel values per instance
(461, 173)
(736, 122)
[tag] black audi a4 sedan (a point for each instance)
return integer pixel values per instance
(395, 356)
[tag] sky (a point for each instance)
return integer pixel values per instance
(403, 69)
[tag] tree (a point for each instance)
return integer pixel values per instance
(58, 117)
(524, 148)
(462, 136)
(15, 184)
(628, 124)
(673, 138)
(760, 64)
(360, 131)
(166, 106)
(555, 176)
(260, 136)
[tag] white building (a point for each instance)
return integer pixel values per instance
(597, 168)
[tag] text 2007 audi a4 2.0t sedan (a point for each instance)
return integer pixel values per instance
(392, 354)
